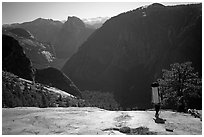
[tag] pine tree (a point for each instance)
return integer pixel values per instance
(181, 87)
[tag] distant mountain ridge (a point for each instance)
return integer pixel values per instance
(130, 50)
(66, 37)
(43, 29)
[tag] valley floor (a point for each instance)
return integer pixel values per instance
(92, 121)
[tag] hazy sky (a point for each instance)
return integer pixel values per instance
(18, 12)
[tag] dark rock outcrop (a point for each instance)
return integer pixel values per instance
(54, 77)
(14, 59)
(129, 51)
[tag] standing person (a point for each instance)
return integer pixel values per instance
(156, 98)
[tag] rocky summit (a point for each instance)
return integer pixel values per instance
(130, 50)
(72, 34)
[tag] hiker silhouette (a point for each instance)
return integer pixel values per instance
(156, 97)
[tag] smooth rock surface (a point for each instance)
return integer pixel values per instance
(91, 121)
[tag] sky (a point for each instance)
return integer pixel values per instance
(18, 12)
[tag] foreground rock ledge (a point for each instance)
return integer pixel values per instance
(92, 121)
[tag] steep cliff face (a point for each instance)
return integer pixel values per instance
(41, 54)
(72, 34)
(57, 79)
(14, 59)
(129, 51)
